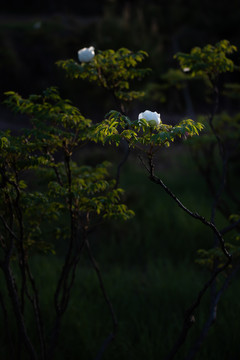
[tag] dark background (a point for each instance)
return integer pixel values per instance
(148, 264)
(34, 35)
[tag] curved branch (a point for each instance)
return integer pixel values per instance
(230, 227)
(189, 316)
(195, 215)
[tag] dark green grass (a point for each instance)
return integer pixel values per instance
(149, 270)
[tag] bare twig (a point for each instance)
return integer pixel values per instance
(212, 315)
(67, 276)
(230, 227)
(217, 194)
(108, 302)
(11, 232)
(36, 307)
(195, 215)
(65, 269)
(19, 216)
(64, 286)
(189, 316)
(105, 344)
(17, 310)
(18, 306)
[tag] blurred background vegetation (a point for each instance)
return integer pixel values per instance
(34, 36)
(148, 263)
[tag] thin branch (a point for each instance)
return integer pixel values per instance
(72, 272)
(217, 194)
(36, 307)
(207, 174)
(143, 163)
(189, 316)
(8, 228)
(212, 316)
(64, 287)
(195, 215)
(67, 276)
(58, 176)
(230, 227)
(9, 250)
(65, 268)
(5, 265)
(96, 267)
(108, 302)
(60, 296)
(105, 344)
(17, 310)
(215, 205)
(18, 211)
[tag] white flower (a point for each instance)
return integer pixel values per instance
(152, 117)
(86, 54)
(186, 69)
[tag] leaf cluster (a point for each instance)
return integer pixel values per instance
(209, 61)
(117, 127)
(112, 70)
(214, 257)
(40, 183)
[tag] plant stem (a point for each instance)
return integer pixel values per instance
(107, 300)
